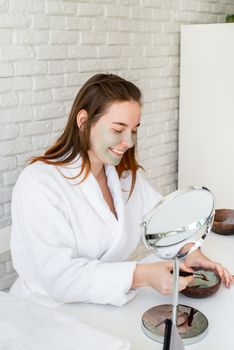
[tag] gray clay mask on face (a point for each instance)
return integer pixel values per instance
(115, 132)
(108, 141)
(130, 138)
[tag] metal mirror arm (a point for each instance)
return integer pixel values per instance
(175, 296)
(163, 234)
(196, 245)
(154, 238)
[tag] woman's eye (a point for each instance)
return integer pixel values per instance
(116, 131)
(119, 131)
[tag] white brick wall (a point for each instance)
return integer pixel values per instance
(48, 48)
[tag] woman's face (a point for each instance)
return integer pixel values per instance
(114, 133)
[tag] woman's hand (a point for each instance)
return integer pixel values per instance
(158, 276)
(198, 259)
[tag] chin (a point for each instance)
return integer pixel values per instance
(113, 161)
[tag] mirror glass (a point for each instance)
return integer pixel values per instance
(181, 217)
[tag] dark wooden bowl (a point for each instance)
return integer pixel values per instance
(223, 222)
(203, 289)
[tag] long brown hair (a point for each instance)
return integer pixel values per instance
(95, 96)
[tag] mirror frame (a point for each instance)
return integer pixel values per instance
(205, 223)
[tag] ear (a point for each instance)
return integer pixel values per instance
(82, 116)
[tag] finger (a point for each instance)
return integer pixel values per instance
(184, 281)
(207, 264)
(189, 279)
(184, 267)
(227, 277)
(219, 269)
(224, 274)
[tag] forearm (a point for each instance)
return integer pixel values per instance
(140, 276)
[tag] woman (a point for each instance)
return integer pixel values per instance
(77, 209)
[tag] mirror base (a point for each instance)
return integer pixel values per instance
(153, 323)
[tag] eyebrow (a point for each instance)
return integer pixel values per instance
(123, 124)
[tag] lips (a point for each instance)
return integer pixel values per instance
(117, 152)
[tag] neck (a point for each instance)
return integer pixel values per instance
(97, 167)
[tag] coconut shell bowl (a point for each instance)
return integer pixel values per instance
(223, 222)
(204, 285)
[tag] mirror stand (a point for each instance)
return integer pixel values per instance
(184, 216)
(154, 319)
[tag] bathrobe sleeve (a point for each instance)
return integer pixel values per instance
(43, 242)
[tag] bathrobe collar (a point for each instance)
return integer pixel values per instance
(94, 196)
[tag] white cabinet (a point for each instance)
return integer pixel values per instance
(206, 121)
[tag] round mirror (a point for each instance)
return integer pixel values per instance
(184, 216)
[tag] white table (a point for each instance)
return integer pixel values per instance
(125, 321)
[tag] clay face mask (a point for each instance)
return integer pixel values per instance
(110, 146)
(114, 133)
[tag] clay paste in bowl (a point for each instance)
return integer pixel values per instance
(200, 288)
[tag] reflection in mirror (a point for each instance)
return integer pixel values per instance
(174, 228)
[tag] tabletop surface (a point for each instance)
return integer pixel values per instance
(125, 321)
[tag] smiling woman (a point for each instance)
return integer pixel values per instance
(104, 97)
(77, 209)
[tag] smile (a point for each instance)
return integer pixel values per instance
(117, 152)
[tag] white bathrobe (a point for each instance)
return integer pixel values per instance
(67, 245)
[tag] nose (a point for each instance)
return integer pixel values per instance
(129, 139)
